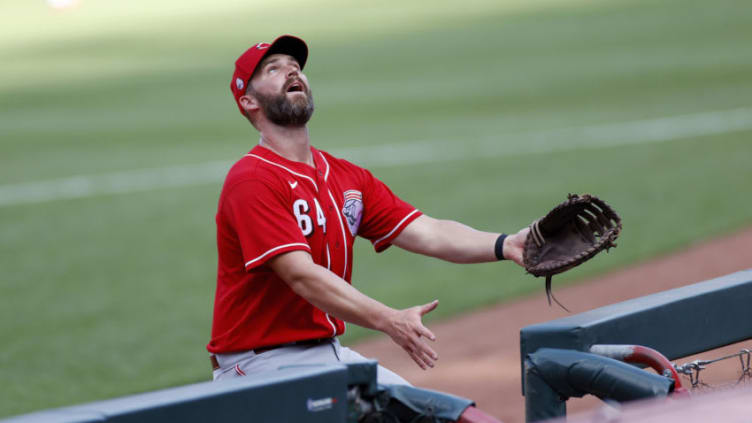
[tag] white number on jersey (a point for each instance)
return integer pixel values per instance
(320, 218)
(300, 208)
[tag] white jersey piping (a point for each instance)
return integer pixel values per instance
(295, 244)
(279, 165)
(326, 174)
(334, 327)
(344, 236)
(395, 228)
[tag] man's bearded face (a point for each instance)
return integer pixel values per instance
(292, 106)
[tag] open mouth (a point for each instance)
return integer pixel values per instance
(295, 87)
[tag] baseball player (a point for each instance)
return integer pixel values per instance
(286, 221)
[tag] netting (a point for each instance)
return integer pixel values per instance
(692, 371)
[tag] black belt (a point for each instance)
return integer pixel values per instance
(259, 350)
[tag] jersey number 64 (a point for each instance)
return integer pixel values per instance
(300, 208)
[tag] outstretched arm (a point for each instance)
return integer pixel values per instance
(331, 294)
(453, 241)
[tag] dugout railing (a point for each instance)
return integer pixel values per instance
(315, 393)
(677, 323)
(311, 394)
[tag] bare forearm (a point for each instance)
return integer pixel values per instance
(448, 240)
(326, 291)
(336, 297)
(458, 243)
(331, 294)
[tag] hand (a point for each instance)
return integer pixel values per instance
(514, 245)
(406, 330)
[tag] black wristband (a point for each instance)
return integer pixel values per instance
(499, 247)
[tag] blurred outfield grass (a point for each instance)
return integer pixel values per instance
(112, 294)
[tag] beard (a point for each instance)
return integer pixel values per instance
(283, 111)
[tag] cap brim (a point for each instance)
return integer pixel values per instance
(288, 44)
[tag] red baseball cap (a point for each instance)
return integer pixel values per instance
(247, 62)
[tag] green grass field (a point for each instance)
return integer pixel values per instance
(112, 293)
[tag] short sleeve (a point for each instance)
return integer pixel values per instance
(264, 224)
(384, 214)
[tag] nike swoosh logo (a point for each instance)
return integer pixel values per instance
(293, 184)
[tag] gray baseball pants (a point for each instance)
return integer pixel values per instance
(248, 362)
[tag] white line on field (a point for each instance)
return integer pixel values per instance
(410, 153)
(568, 139)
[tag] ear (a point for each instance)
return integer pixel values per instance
(249, 103)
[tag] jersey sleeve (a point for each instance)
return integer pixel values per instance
(384, 214)
(263, 222)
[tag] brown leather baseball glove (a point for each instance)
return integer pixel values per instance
(570, 234)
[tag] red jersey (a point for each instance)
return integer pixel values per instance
(270, 205)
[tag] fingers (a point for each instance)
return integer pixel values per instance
(427, 308)
(418, 359)
(423, 355)
(408, 331)
(421, 359)
(419, 350)
(423, 331)
(428, 351)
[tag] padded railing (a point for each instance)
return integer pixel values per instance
(676, 323)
